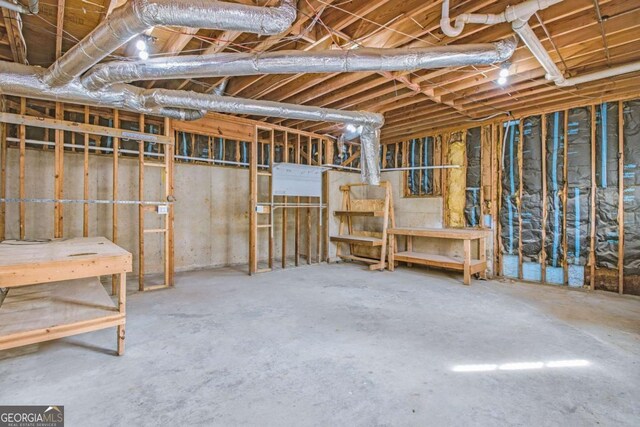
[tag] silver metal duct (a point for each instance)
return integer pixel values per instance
(370, 155)
(152, 98)
(294, 62)
(137, 16)
(26, 81)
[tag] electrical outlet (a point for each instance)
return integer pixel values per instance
(163, 209)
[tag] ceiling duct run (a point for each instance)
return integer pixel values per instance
(295, 62)
(64, 80)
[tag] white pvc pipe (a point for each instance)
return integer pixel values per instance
(520, 12)
(604, 74)
(539, 52)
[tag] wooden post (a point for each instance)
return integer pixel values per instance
(140, 206)
(85, 208)
(308, 209)
(498, 197)
(253, 203)
(59, 174)
(592, 226)
(297, 219)
(519, 203)
(114, 207)
(328, 144)
(482, 254)
(272, 151)
(169, 164)
(543, 150)
(319, 219)
(565, 190)
(3, 177)
(620, 197)
(122, 299)
(285, 158)
(22, 205)
(467, 261)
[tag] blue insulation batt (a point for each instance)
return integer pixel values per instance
(632, 197)
(509, 215)
(531, 199)
(607, 183)
(578, 208)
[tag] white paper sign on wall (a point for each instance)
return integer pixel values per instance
(291, 179)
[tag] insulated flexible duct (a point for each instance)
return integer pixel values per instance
(294, 62)
(137, 16)
(26, 81)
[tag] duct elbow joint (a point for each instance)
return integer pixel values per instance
(506, 48)
(287, 12)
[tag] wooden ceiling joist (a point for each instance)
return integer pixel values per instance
(581, 36)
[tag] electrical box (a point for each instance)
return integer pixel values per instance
(163, 209)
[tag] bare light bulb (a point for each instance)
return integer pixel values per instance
(143, 54)
(502, 81)
(141, 45)
(504, 72)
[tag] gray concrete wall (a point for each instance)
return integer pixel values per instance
(211, 211)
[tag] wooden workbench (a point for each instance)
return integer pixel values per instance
(466, 264)
(55, 291)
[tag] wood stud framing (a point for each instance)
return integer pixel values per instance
(59, 127)
(295, 147)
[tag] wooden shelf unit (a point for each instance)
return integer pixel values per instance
(465, 264)
(54, 290)
(359, 239)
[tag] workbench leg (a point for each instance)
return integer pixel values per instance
(392, 249)
(122, 299)
(409, 247)
(467, 262)
(482, 252)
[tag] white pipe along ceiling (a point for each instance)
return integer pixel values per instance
(75, 78)
(518, 16)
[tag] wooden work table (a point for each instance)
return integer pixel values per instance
(55, 290)
(466, 264)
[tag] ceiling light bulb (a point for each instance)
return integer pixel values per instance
(141, 45)
(504, 72)
(351, 128)
(502, 80)
(143, 54)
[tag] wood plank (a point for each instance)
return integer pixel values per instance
(434, 260)
(357, 240)
(63, 259)
(64, 125)
(14, 35)
(51, 304)
(440, 233)
(359, 213)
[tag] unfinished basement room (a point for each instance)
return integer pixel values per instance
(319, 213)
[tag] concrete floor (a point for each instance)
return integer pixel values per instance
(339, 345)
